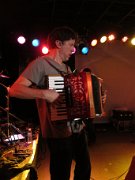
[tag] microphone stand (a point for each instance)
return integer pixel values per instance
(8, 124)
(7, 108)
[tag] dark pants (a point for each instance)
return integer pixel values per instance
(63, 151)
(90, 130)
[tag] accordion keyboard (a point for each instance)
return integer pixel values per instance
(58, 112)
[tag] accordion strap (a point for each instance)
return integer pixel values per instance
(62, 73)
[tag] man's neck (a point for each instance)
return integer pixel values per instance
(55, 56)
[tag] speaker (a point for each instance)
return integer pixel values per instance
(131, 173)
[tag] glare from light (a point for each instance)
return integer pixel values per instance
(45, 50)
(94, 42)
(103, 39)
(74, 51)
(111, 37)
(124, 39)
(85, 50)
(21, 39)
(31, 158)
(133, 41)
(35, 42)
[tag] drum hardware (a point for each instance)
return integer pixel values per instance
(9, 132)
(3, 75)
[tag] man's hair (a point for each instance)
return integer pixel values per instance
(62, 34)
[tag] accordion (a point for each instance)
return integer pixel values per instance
(81, 96)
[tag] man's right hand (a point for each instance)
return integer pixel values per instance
(50, 95)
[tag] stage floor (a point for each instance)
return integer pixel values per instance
(111, 156)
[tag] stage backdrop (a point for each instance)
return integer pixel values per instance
(114, 62)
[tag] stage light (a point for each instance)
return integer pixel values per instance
(35, 42)
(133, 41)
(83, 48)
(111, 37)
(94, 42)
(45, 50)
(21, 39)
(124, 39)
(103, 39)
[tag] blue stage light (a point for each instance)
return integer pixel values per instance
(35, 42)
(85, 50)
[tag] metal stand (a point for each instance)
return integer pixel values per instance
(9, 132)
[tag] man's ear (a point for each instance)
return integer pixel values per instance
(58, 43)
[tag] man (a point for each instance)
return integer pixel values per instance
(64, 144)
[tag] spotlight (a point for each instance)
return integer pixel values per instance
(111, 37)
(103, 39)
(83, 48)
(94, 42)
(35, 42)
(133, 41)
(124, 39)
(45, 50)
(21, 39)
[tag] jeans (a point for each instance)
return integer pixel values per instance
(63, 151)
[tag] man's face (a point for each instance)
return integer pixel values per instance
(67, 49)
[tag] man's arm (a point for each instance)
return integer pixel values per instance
(21, 89)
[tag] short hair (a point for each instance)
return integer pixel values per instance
(62, 34)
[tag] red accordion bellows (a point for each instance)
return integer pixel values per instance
(81, 103)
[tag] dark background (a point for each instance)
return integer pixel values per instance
(87, 17)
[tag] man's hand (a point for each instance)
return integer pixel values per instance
(104, 96)
(50, 95)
